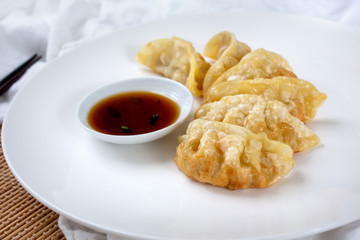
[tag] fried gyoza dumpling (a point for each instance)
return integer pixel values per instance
(300, 97)
(175, 58)
(230, 156)
(227, 50)
(258, 64)
(261, 115)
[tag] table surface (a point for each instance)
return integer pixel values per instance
(21, 215)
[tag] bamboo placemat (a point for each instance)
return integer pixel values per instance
(21, 215)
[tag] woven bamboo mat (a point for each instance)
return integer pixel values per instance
(21, 215)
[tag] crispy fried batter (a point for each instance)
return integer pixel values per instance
(300, 97)
(175, 58)
(227, 50)
(257, 64)
(261, 115)
(231, 156)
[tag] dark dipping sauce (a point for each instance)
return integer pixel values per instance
(133, 113)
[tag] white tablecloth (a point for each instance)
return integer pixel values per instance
(52, 27)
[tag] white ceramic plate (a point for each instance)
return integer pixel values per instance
(137, 191)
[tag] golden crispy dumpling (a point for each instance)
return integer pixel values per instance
(227, 50)
(261, 115)
(300, 97)
(175, 58)
(258, 64)
(231, 156)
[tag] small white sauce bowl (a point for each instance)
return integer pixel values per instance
(163, 86)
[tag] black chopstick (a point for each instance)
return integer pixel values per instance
(15, 75)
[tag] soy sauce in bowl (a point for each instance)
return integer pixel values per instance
(133, 113)
(135, 110)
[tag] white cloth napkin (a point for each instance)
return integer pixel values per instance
(52, 27)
